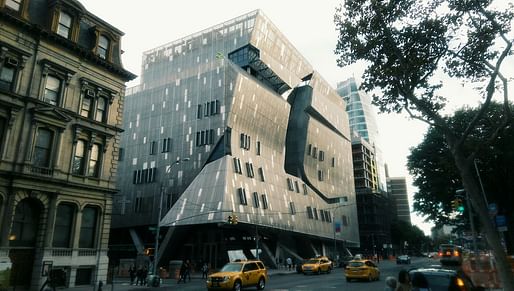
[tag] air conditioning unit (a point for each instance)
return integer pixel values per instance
(90, 93)
(12, 61)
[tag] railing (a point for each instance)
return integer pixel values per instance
(86, 252)
(40, 170)
(64, 252)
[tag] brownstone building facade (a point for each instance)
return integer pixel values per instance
(61, 102)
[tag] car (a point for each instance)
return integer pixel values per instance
(238, 275)
(362, 269)
(450, 254)
(317, 266)
(432, 255)
(403, 259)
(437, 279)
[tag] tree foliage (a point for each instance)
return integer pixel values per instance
(402, 231)
(437, 178)
(410, 47)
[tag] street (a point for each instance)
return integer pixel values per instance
(293, 281)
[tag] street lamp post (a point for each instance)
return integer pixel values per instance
(158, 229)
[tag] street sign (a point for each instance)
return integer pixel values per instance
(501, 221)
(493, 209)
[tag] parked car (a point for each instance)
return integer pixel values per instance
(403, 259)
(317, 266)
(239, 274)
(450, 254)
(435, 279)
(362, 269)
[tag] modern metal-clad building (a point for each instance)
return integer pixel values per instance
(233, 122)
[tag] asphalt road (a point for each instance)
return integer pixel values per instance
(299, 282)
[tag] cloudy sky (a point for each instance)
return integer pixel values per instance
(308, 25)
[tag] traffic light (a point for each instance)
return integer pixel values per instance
(460, 205)
(149, 252)
(454, 205)
(232, 219)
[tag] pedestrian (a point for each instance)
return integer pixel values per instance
(189, 268)
(145, 275)
(139, 276)
(182, 273)
(390, 284)
(132, 274)
(289, 263)
(205, 270)
(404, 281)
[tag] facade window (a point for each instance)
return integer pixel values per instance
(13, 4)
(205, 137)
(94, 161)
(309, 212)
(121, 154)
(88, 227)
(85, 109)
(290, 185)
(166, 145)
(321, 176)
(322, 215)
(79, 158)
(315, 152)
(103, 47)
(52, 90)
(309, 150)
(264, 199)
(296, 187)
(245, 141)
(305, 190)
(315, 212)
(321, 156)
(43, 148)
(261, 174)
(292, 208)
(25, 224)
(258, 146)
(242, 196)
(256, 203)
(138, 205)
(237, 166)
(333, 162)
(199, 112)
(345, 220)
(249, 170)
(64, 26)
(8, 74)
(63, 225)
(100, 109)
(153, 147)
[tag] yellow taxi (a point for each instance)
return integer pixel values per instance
(362, 269)
(317, 266)
(238, 275)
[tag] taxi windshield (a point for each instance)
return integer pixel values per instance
(232, 267)
(312, 262)
(356, 264)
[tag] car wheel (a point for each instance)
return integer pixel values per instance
(370, 278)
(237, 286)
(329, 270)
(261, 284)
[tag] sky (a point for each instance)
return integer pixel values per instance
(308, 26)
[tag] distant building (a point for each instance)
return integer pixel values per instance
(363, 122)
(232, 121)
(397, 189)
(61, 98)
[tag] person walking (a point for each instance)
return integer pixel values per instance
(205, 270)
(132, 274)
(189, 267)
(182, 273)
(144, 275)
(139, 276)
(404, 281)
(289, 263)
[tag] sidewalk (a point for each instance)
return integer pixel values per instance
(123, 284)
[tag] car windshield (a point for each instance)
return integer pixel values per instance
(312, 262)
(232, 267)
(433, 282)
(356, 264)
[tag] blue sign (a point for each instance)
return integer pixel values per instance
(501, 220)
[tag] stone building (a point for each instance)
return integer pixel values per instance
(62, 87)
(232, 121)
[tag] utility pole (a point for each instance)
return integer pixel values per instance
(459, 192)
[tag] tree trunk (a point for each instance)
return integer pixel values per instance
(477, 201)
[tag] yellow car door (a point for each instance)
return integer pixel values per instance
(250, 274)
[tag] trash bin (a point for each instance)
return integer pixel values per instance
(154, 280)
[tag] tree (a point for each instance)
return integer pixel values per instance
(409, 46)
(437, 178)
(402, 231)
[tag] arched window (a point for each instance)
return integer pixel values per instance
(103, 47)
(25, 224)
(88, 229)
(63, 225)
